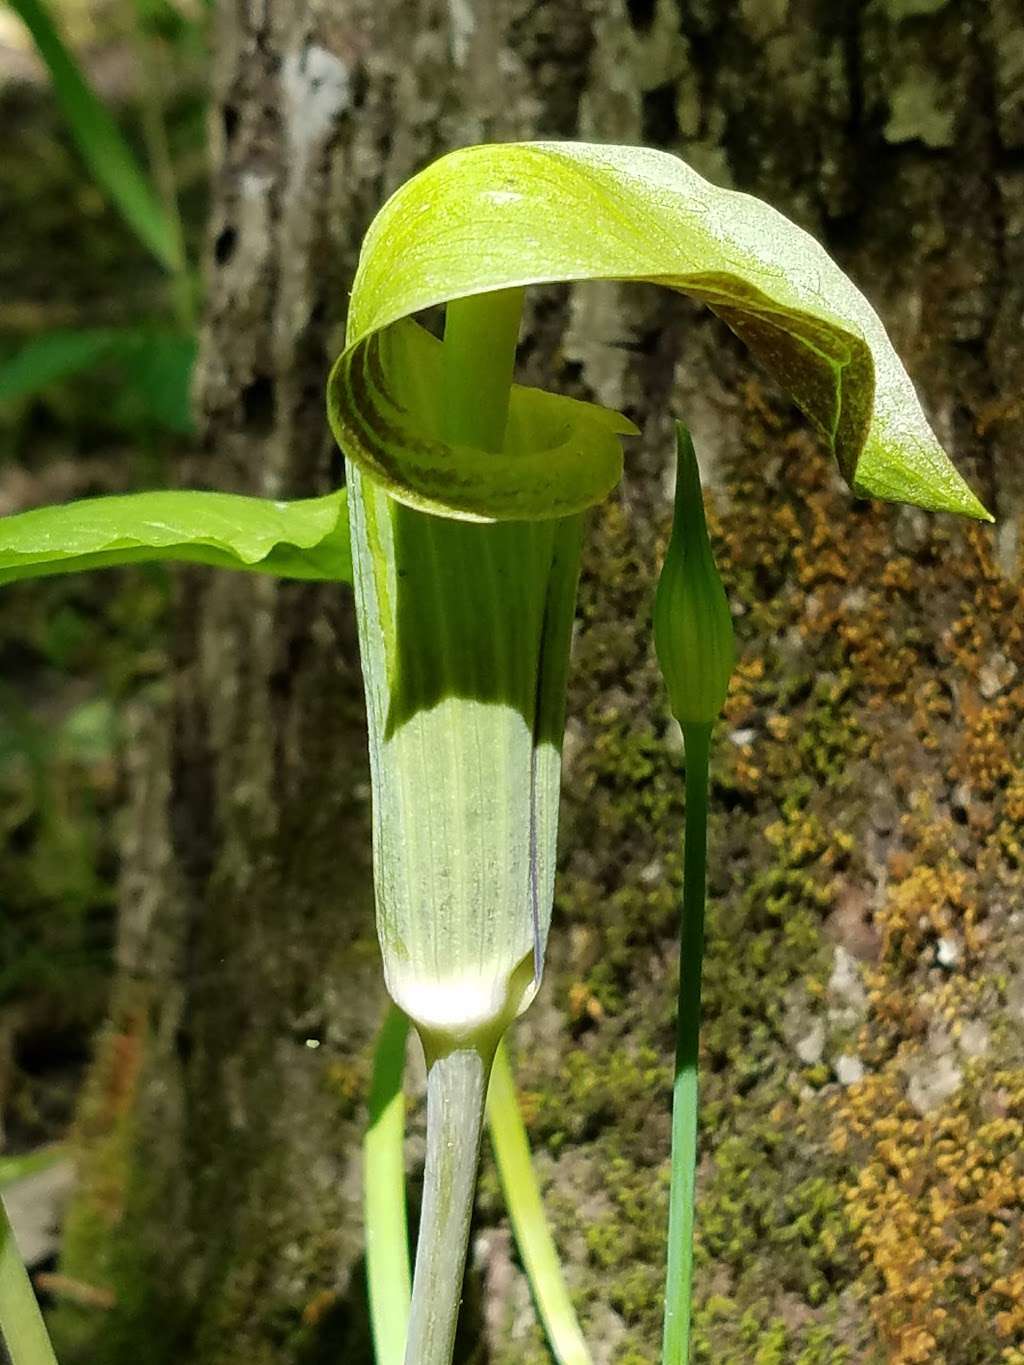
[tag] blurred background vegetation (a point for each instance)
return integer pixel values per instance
(96, 351)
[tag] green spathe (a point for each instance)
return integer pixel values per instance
(464, 633)
(493, 217)
(693, 633)
(466, 494)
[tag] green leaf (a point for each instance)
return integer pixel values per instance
(388, 1278)
(525, 1206)
(496, 217)
(46, 359)
(307, 539)
(158, 374)
(20, 1167)
(157, 366)
(100, 141)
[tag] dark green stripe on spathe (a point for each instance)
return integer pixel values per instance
(469, 611)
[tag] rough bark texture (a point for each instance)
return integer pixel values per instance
(864, 1093)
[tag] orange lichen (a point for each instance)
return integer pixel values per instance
(935, 1204)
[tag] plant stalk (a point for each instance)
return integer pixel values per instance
(23, 1336)
(456, 1091)
(679, 1280)
(480, 336)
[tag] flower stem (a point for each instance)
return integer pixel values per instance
(456, 1091)
(23, 1336)
(679, 1282)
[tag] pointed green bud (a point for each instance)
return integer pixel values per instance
(692, 625)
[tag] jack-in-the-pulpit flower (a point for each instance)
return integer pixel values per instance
(465, 498)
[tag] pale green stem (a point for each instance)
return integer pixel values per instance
(456, 1091)
(387, 1232)
(23, 1335)
(387, 1238)
(533, 1236)
(479, 360)
(679, 1281)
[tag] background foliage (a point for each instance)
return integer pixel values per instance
(93, 399)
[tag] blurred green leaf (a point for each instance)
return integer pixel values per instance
(307, 539)
(158, 372)
(100, 141)
(157, 368)
(89, 731)
(162, 19)
(18, 1167)
(53, 356)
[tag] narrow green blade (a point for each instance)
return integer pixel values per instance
(18, 1167)
(157, 365)
(389, 1279)
(23, 1336)
(526, 1210)
(51, 357)
(307, 539)
(100, 141)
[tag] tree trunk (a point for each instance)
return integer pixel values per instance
(864, 1081)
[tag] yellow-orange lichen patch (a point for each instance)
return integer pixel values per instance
(935, 1204)
(925, 900)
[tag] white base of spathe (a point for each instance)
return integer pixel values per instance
(465, 1005)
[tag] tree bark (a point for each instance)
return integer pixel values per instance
(862, 1066)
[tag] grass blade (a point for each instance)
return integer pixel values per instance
(157, 366)
(53, 356)
(19, 1167)
(23, 1336)
(389, 1279)
(526, 1211)
(100, 141)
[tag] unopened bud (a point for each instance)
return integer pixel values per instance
(692, 625)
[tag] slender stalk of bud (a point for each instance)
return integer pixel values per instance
(685, 1099)
(694, 642)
